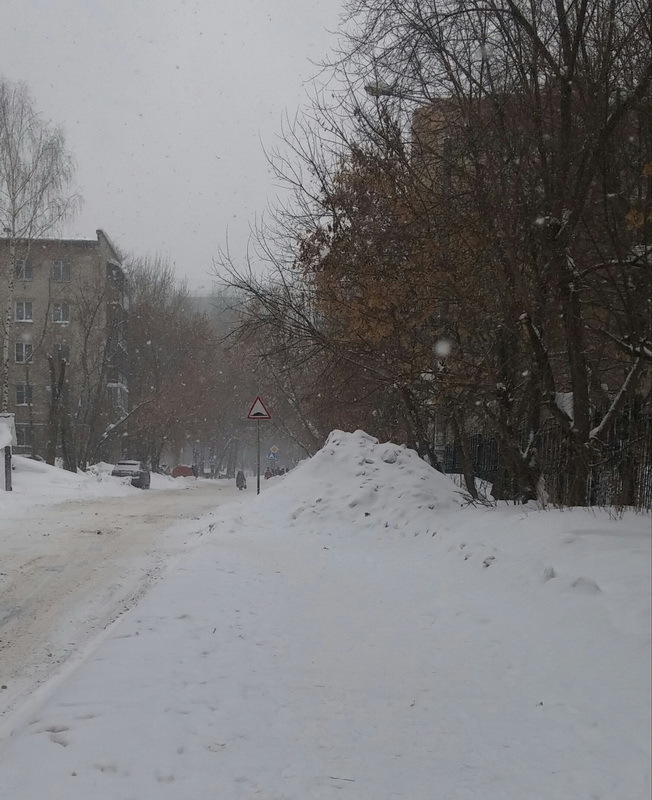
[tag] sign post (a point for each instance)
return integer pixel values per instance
(258, 411)
(257, 456)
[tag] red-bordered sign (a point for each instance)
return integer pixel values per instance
(258, 410)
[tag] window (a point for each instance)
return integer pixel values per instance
(62, 351)
(60, 312)
(23, 394)
(23, 311)
(23, 352)
(23, 434)
(24, 270)
(61, 271)
(117, 396)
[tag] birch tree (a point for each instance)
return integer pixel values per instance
(36, 173)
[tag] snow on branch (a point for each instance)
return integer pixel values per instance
(619, 399)
(642, 349)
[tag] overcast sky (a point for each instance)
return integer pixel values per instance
(166, 106)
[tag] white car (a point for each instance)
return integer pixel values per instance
(136, 470)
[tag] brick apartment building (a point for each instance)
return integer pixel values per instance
(69, 308)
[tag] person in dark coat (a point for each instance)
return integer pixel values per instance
(240, 480)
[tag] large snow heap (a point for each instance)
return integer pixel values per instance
(356, 479)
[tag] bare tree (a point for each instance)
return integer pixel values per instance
(177, 366)
(492, 188)
(35, 178)
(539, 113)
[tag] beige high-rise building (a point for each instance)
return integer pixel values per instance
(69, 307)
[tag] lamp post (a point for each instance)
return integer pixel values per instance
(382, 89)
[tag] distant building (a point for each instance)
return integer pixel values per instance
(69, 308)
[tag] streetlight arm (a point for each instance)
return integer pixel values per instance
(380, 89)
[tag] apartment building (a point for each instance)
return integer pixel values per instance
(69, 306)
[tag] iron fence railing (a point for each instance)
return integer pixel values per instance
(621, 469)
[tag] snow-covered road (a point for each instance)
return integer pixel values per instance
(68, 570)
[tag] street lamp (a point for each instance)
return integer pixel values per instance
(381, 89)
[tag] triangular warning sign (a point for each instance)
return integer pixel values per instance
(258, 410)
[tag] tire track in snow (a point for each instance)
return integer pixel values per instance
(69, 571)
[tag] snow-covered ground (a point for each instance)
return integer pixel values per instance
(35, 485)
(356, 632)
(76, 552)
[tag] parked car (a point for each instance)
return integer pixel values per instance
(136, 470)
(182, 471)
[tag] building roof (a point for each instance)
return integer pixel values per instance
(101, 235)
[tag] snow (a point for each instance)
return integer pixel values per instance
(6, 430)
(564, 401)
(5, 436)
(37, 484)
(359, 631)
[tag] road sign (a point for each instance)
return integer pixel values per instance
(272, 457)
(258, 410)
(273, 449)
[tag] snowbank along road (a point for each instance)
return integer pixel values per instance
(67, 571)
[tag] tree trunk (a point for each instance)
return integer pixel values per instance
(579, 466)
(67, 432)
(467, 466)
(54, 412)
(7, 328)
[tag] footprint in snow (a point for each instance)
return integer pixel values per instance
(57, 729)
(586, 586)
(109, 767)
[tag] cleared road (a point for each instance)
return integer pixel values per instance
(68, 571)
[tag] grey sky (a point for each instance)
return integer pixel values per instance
(165, 104)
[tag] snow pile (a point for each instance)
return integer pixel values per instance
(160, 481)
(101, 468)
(356, 480)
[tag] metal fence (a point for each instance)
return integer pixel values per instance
(621, 473)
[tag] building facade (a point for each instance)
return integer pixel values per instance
(67, 377)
